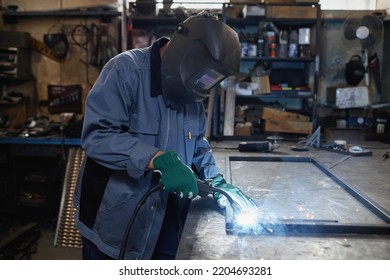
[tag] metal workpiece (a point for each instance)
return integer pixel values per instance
(309, 208)
(280, 223)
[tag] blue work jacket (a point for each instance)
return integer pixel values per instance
(124, 126)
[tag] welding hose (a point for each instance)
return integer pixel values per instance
(205, 187)
(132, 219)
(202, 185)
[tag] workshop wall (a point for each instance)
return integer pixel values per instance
(77, 69)
(84, 57)
(337, 51)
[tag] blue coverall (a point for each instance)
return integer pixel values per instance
(126, 122)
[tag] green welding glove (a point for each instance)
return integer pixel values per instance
(176, 177)
(234, 192)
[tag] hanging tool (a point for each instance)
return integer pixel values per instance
(374, 65)
(261, 146)
(40, 47)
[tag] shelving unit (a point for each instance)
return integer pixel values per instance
(286, 17)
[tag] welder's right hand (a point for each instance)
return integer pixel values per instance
(241, 199)
(176, 177)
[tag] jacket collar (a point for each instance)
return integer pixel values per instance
(155, 66)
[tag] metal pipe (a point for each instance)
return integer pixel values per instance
(124, 26)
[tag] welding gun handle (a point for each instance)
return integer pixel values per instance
(205, 188)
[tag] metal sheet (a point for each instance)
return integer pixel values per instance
(205, 237)
(299, 204)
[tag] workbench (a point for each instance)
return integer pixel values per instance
(31, 165)
(31, 183)
(273, 186)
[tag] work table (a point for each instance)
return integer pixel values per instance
(204, 235)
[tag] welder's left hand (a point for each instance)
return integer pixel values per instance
(176, 177)
(244, 201)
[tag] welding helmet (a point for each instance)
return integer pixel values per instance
(58, 43)
(201, 53)
(354, 70)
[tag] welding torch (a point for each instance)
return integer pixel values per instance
(206, 188)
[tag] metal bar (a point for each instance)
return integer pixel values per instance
(309, 229)
(228, 169)
(363, 199)
(124, 22)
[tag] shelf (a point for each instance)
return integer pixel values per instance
(153, 22)
(253, 20)
(11, 16)
(52, 141)
(278, 59)
(280, 94)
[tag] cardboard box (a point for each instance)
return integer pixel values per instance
(348, 97)
(288, 126)
(291, 12)
(281, 121)
(243, 129)
(271, 114)
(264, 86)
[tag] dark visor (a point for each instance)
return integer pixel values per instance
(206, 80)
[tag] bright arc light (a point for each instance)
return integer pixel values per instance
(247, 218)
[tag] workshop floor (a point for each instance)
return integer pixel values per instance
(368, 175)
(47, 251)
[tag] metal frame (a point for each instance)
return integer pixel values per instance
(309, 227)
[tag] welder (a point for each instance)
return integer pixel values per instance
(145, 114)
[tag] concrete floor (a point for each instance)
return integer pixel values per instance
(283, 192)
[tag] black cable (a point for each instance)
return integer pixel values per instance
(132, 219)
(62, 135)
